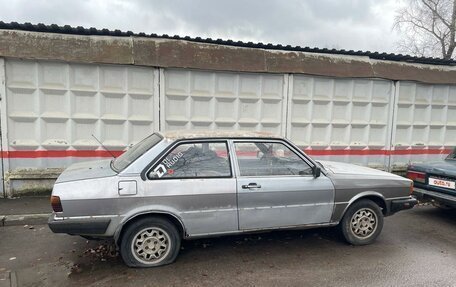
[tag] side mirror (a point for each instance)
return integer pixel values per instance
(316, 171)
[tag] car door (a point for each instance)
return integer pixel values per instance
(194, 180)
(276, 186)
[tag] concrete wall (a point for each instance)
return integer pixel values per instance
(57, 90)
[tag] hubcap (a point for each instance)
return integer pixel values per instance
(151, 245)
(363, 223)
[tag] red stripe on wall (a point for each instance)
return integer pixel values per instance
(58, 153)
(377, 152)
(326, 152)
(313, 152)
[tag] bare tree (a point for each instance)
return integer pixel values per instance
(428, 28)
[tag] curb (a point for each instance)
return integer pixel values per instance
(22, 219)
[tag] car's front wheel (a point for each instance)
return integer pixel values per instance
(150, 242)
(362, 222)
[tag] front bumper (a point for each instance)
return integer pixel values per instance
(402, 204)
(79, 226)
(444, 198)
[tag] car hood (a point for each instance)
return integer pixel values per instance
(444, 167)
(352, 169)
(87, 170)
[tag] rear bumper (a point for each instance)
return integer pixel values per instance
(402, 204)
(85, 226)
(437, 196)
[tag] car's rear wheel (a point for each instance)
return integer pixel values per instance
(150, 242)
(362, 222)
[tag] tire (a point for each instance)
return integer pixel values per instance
(362, 222)
(150, 242)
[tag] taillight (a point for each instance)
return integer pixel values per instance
(56, 204)
(416, 176)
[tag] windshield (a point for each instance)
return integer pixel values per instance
(452, 155)
(135, 152)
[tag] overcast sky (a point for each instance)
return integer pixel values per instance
(341, 24)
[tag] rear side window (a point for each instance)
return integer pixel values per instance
(194, 160)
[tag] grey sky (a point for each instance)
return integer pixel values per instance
(342, 24)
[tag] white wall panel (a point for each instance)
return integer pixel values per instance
(58, 106)
(341, 114)
(216, 100)
(425, 123)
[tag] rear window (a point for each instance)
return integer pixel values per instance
(452, 155)
(135, 152)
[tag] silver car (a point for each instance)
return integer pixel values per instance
(178, 185)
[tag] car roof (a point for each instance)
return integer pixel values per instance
(193, 134)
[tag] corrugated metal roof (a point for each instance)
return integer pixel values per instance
(117, 33)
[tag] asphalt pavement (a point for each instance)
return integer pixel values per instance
(25, 205)
(24, 210)
(416, 248)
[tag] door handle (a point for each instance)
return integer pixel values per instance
(251, 186)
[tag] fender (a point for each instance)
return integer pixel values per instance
(147, 210)
(340, 210)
